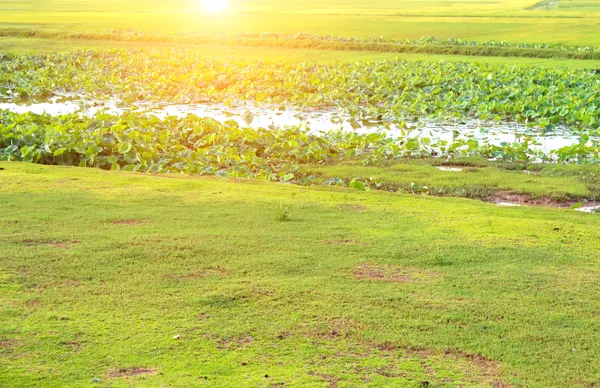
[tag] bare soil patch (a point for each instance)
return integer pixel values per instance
(33, 303)
(332, 381)
(234, 343)
(332, 328)
(437, 365)
(477, 369)
(7, 344)
(489, 369)
(474, 369)
(131, 372)
(76, 346)
(394, 273)
(129, 222)
(345, 242)
(202, 273)
(348, 207)
(50, 243)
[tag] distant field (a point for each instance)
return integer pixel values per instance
(573, 22)
(47, 46)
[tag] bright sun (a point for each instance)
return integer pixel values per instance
(214, 6)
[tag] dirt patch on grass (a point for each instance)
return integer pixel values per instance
(33, 303)
(349, 207)
(332, 329)
(332, 381)
(7, 344)
(476, 369)
(202, 273)
(73, 345)
(487, 368)
(394, 273)
(50, 243)
(131, 372)
(436, 368)
(234, 343)
(341, 344)
(346, 242)
(128, 222)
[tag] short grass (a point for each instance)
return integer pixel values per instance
(142, 280)
(478, 178)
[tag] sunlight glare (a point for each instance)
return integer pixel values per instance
(214, 6)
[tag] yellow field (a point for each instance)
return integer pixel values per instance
(570, 21)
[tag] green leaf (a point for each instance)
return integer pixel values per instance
(60, 151)
(125, 147)
(358, 185)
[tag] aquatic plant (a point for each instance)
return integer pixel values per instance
(391, 91)
(136, 141)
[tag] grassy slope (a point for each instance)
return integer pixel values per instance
(543, 180)
(100, 270)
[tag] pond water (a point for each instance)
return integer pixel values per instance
(453, 169)
(317, 121)
(507, 204)
(590, 208)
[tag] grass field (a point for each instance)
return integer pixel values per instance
(572, 23)
(141, 280)
(479, 178)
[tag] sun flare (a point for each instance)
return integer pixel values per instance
(214, 6)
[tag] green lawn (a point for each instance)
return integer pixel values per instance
(147, 280)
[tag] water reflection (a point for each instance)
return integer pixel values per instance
(317, 121)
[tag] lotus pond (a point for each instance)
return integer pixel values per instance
(392, 90)
(177, 111)
(438, 134)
